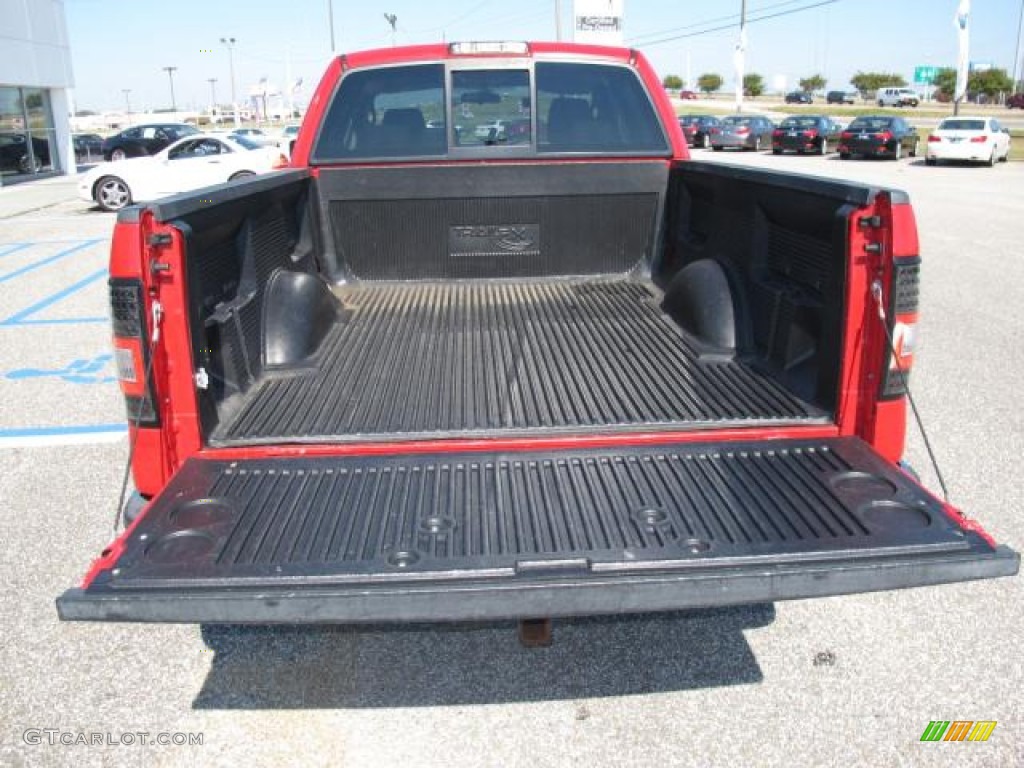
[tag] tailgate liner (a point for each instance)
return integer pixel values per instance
(466, 359)
(479, 535)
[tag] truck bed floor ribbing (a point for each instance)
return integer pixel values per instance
(415, 360)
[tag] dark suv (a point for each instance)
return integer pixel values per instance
(1016, 101)
(144, 140)
(839, 97)
(799, 97)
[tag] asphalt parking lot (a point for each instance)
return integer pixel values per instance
(840, 681)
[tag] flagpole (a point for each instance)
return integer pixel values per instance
(962, 21)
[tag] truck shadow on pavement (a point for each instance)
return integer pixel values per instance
(436, 665)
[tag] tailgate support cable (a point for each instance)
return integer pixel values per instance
(157, 314)
(876, 294)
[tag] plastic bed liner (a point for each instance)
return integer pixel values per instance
(532, 533)
(426, 359)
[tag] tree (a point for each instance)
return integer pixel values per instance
(812, 83)
(753, 84)
(990, 82)
(672, 82)
(709, 82)
(945, 83)
(869, 82)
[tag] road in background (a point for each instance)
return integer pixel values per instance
(840, 681)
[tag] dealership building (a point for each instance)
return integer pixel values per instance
(35, 80)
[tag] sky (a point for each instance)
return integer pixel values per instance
(124, 44)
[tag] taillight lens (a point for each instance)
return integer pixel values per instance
(979, 139)
(778, 134)
(743, 129)
(884, 136)
(933, 139)
(902, 314)
(846, 136)
(281, 162)
(810, 134)
(128, 319)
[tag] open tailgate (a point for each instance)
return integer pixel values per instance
(483, 535)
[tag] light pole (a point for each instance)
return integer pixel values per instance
(127, 102)
(263, 98)
(170, 76)
(330, 22)
(558, 20)
(229, 42)
(740, 54)
(1016, 52)
(213, 93)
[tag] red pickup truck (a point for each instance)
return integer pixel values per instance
(439, 373)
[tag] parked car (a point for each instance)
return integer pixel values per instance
(1016, 101)
(190, 163)
(514, 131)
(14, 155)
(840, 97)
(256, 135)
(143, 140)
(806, 133)
(897, 97)
(286, 140)
(688, 95)
(742, 132)
(879, 136)
(88, 146)
(799, 97)
(697, 129)
(970, 139)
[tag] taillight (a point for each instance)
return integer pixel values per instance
(716, 130)
(884, 136)
(902, 314)
(933, 139)
(778, 134)
(846, 136)
(810, 134)
(979, 139)
(131, 354)
(281, 162)
(743, 129)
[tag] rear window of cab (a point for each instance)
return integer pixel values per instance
(426, 111)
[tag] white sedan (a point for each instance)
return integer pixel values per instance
(970, 139)
(196, 161)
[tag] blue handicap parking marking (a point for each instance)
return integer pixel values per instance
(56, 286)
(81, 371)
(8, 248)
(47, 260)
(26, 316)
(32, 314)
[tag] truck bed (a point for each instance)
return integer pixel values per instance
(414, 360)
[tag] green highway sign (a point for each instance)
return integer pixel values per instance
(925, 75)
